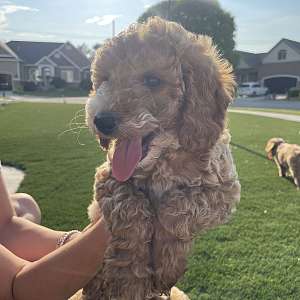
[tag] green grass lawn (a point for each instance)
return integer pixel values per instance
(255, 256)
(273, 110)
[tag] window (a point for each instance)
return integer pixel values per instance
(282, 54)
(256, 85)
(244, 85)
(67, 75)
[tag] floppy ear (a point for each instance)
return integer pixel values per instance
(209, 87)
(270, 145)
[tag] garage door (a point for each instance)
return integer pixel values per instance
(280, 85)
(5, 82)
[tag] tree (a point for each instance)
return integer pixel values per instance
(201, 17)
(85, 49)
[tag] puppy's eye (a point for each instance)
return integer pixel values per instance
(151, 81)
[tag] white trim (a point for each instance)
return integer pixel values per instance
(79, 53)
(18, 70)
(70, 60)
(281, 45)
(46, 58)
(7, 48)
(280, 75)
(6, 55)
(4, 59)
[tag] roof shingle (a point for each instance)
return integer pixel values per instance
(32, 52)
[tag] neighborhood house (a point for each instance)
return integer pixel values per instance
(24, 62)
(40, 62)
(278, 69)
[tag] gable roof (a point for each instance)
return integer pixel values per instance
(32, 52)
(7, 53)
(251, 59)
(59, 60)
(76, 56)
(293, 44)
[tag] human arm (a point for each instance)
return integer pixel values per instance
(25, 239)
(6, 208)
(57, 275)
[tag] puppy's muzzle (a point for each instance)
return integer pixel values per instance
(106, 122)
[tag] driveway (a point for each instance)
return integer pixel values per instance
(260, 102)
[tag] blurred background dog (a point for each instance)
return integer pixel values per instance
(286, 157)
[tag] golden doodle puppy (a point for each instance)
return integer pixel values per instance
(286, 157)
(159, 101)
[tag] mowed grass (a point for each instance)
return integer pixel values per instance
(255, 256)
(273, 110)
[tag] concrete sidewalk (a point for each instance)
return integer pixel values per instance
(286, 117)
(13, 178)
(35, 99)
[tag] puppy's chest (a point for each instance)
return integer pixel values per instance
(165, 177)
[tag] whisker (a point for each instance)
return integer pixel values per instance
(77, 138)
(75, 119)
(77, 115)
(73, 130)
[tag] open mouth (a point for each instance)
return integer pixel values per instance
(128, 153)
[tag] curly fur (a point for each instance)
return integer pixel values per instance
(187, 183)
(286, 157)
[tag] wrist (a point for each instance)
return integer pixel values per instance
(101, 228)
(67, 237)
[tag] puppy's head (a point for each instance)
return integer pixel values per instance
(272, 145)
(155, 78)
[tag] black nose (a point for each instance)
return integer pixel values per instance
(106, 122)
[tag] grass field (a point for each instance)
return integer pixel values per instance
(255, 256)
(274, 110)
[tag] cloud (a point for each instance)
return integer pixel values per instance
(34, 35)
(102, 20)
(9, 8)
(146, 6)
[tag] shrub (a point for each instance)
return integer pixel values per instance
(29, 86)
(86, 84)
(58, 82)
(294, 92)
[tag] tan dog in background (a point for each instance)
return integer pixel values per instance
(286, 157)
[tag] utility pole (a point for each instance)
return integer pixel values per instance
(168, 12)
(113, 28)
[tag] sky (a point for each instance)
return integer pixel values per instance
(260, 23)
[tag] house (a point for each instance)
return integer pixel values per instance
(9, 68)
(278, 69)
(40, 62)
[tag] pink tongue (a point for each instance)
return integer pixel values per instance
(127, 155)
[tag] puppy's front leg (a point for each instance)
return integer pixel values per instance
(126, 271)
(181, 215)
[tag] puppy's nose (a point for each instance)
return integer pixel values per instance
(106, 122)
